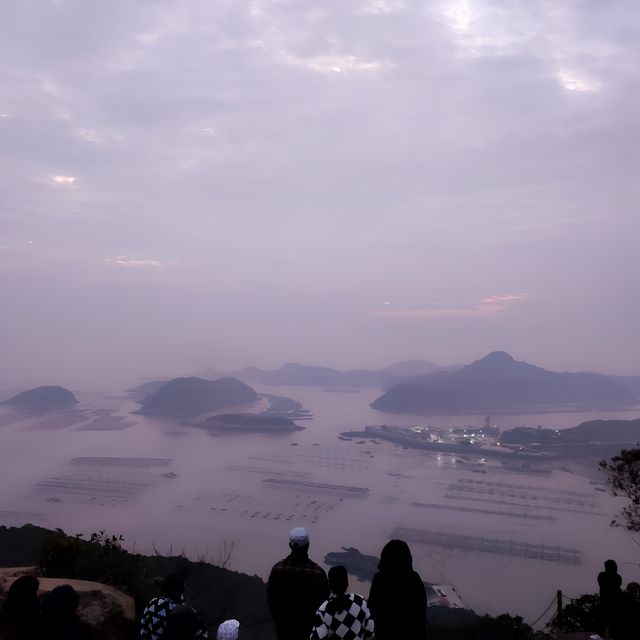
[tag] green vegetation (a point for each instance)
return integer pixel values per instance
(584, 613)
(101, 558)
(624, 480)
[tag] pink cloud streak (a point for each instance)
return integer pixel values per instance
(488, 306)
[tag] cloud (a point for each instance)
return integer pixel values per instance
(147, 38)
(503, 299)
(400, 146)
(59, 179)
(574, 81)
(336, 63)
(490, 305)
(382, 7)
(124, 261)
(89, 135)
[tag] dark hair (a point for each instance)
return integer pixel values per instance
(60, 603)
(173, 584)
(396, 557)
(22, 597)
(610, 566)
(338, 582)
(182, 624)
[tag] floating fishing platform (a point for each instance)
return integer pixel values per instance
(483, 544)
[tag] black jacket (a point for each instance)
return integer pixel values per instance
(398, 604)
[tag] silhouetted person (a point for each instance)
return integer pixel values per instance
(153, 623)
(344, 616)
(398, 600)
(183, 623)
(610, 583)
(59, 619)
(228, 630)
(20, 610)
(297, 586)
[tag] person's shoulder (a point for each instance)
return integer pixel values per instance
(281, 564)
(313, 566)
(163, 601)
(86, 630)
(358, 599)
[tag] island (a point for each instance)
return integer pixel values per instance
(47, 398)
(189, 397)
(245, 423)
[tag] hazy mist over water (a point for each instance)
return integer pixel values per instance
(62, 475)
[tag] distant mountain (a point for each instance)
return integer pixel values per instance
(497, 382)
(407, 368)
(188, 397)
(210, 374)
(43, 399)
(300, 374)
(145, 389)
(631, 382)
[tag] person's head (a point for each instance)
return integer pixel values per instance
(396, 557)
(22, 595)
(228, 630)
(61, 602)
(610, 566)
(173, 585)
(338, 583)
(338, 580)
(299, 540)
(182, 624)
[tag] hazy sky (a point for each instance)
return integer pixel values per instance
(341, 182)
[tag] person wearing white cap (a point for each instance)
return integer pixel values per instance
(297, 586)
(228, 630)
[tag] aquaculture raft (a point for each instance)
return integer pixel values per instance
(499, 546)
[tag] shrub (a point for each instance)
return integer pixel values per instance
(101, 558)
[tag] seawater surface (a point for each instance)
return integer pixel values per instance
(234, 497)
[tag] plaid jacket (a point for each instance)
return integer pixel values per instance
(355, 623)
(296, 588)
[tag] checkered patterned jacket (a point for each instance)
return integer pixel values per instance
(154, 619)
(355, 623)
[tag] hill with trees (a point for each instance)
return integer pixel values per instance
(188, 397)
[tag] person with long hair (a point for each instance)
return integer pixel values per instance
(344, 616)
(398, 599)
(20, 610)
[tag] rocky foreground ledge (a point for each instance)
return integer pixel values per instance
(110, 612)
